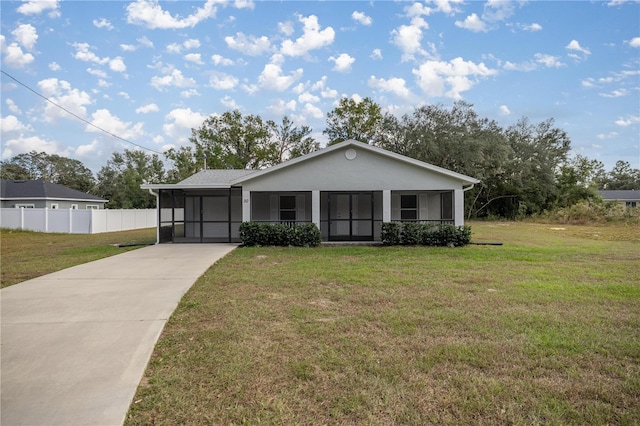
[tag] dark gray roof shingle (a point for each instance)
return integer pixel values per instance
(222, 177)
(620, 195)
(30, 189)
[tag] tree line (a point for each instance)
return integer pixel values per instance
(523, 169)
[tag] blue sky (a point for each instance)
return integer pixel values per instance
(150, 71)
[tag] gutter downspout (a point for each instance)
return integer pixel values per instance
(158, 214)
(468, 188)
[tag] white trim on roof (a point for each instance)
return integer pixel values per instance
(361, 145)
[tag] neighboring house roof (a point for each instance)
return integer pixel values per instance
(228, 178)
(40, 190)
(620, 195)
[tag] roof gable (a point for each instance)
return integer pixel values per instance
(38, 189)
(466, 180)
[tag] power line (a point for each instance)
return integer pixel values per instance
(77, 116)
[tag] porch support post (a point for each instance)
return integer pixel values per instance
(386, 205)
(246, 206)
(315, 207)
(458, 207)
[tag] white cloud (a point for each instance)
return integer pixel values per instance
(343, 62)
(286, 28)
(84, 54)
(97, 73)
(615, 94)
(104, 83)
(228, 102)
(313, 111)
(105, 120)
(61, 92)
(102, 23)
(175, 79)
(603, 136)
(376, 54)
(221, 60)
(23, 144)
(498, 10)
(408, 38)
(634, 42)
(145, 42)
(124, 95)
(174, 48)
(473, 23)
(325, 91)
(588, 82)
(36, 7)
(128, 47)
(192, 43)
(11, 124)
(145, 109)
(306, 97)
(434, 77)
(248, 45)
(361, 18)
(532, 27)
(87, 150)
(548, 60)
(26, 35)
(54, 66)
(272, 77)
(196, 58)
(394, 85)
(12, 107)
(117, 65)
(13, 54)
(574, 46)
(446, 7)
(280, 107)
(180, 121)
(189, 93)
(628, 121)
(149, 13)
(312, 38)
(504, 110)
(222, 81)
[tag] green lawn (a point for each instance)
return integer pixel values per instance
(25, 255)
(542, 330)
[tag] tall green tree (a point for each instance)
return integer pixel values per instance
(539, 151)
(292, 141)
(234, 141)
(621, 176)
(358, 120)
(578, 180)
(120, 179)
(50, 168)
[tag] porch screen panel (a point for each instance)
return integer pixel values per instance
(362, 215)
(447, 205)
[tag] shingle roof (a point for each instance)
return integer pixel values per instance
(37, 189)
(216, 177)
(620, 195)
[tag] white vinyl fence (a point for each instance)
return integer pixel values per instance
(77, 221)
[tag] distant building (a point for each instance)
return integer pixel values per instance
(31, 194)
(627, 197)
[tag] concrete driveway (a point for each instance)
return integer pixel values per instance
(75, 343)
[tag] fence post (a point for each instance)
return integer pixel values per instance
(22, 209)
(46, 219)
(70, 220)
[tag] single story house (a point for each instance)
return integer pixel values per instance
(31, 194)
(626, 197)
(348, 190)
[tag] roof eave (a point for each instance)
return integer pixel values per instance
(186, 186)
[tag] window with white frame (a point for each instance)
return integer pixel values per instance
(92, 207)
(25, 206)
(409, 207)
(288, 207)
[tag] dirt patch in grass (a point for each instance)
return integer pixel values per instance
(26, 255)
(545, 329)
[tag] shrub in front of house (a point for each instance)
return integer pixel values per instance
(276, 234)
(411, 233)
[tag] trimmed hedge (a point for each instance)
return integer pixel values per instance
(276, 234)
(412, 233)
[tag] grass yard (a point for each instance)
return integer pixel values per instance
(542, 330)
(25, 255)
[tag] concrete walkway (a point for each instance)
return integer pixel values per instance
(75, 343)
